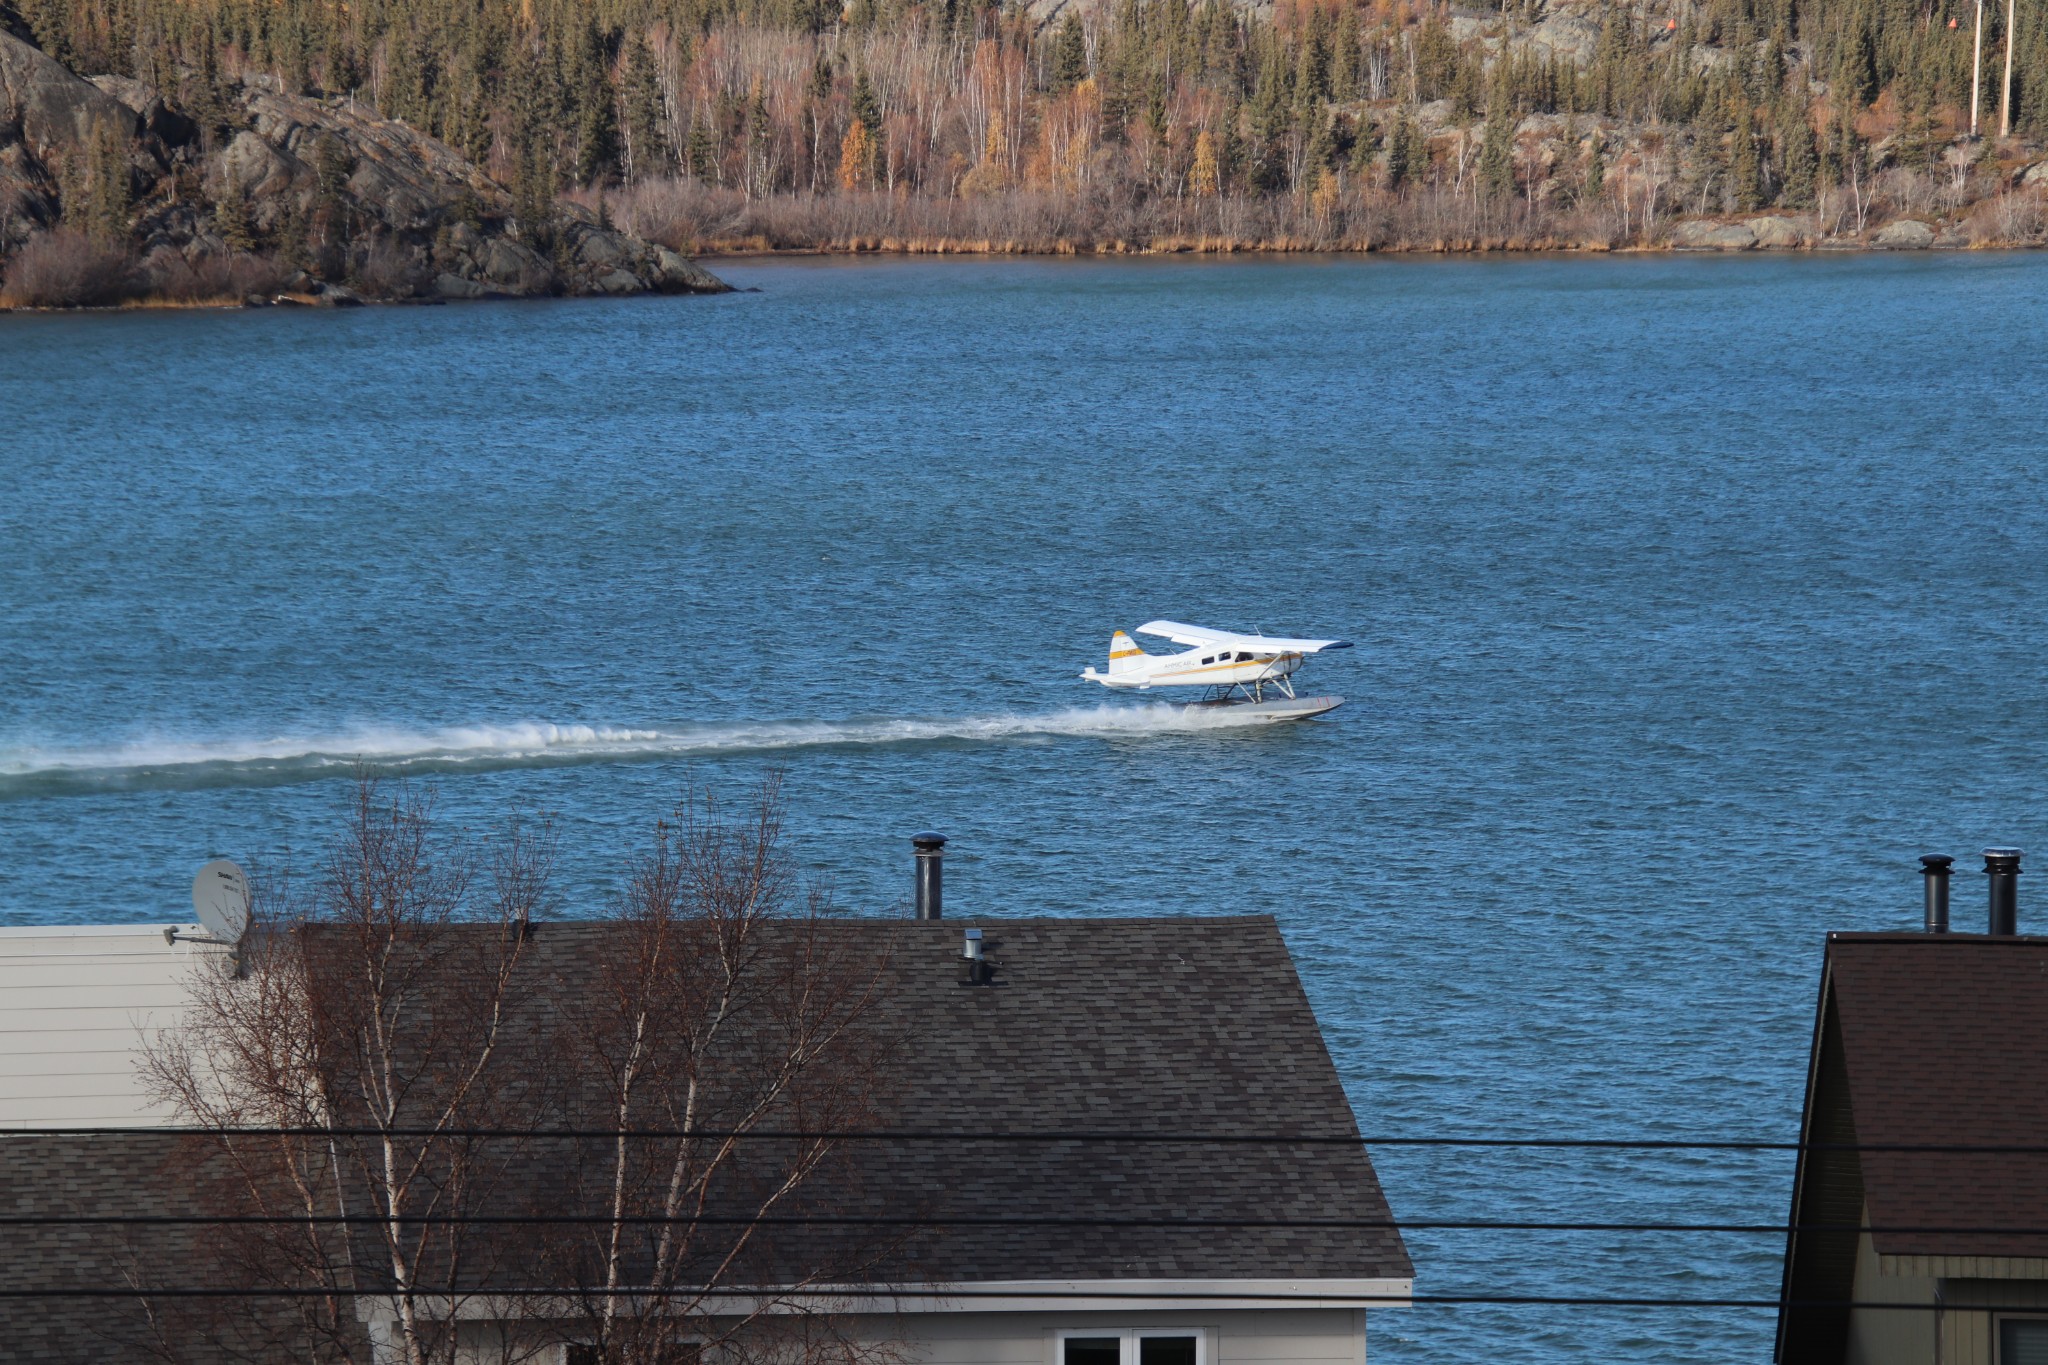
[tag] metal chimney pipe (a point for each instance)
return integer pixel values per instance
(2002, 868)
(1934, 867)
(931, 849)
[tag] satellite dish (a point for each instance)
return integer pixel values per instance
(220, 898)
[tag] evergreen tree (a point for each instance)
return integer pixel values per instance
(107, 183)
(646, 143)
(1365, 145)
(1465, 90)
(1312, 80)
(867, 110)
(1344, 55)
(1798, 160)
(1745, 167)
(1230, 148)
(1322, 147)
(1596, 172)
(1070, 53)
(597, 124)
(1497, 149)
(1856, 75)
(232, 222)
(701, 152)
(1398, 144)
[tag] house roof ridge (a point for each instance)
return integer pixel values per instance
(1953, 937)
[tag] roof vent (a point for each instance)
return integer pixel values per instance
(2002, 869)
(1934, 868)
(977, 968)
(931, 848)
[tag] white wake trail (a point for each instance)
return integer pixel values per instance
(229, 761)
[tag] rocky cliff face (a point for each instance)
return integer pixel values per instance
(342, 200)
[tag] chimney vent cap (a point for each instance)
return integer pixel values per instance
(928, 842)
(2003, 855)
(1936, 862)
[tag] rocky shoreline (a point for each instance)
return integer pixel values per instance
(1767, 233)
(240, 192)
(110, 194)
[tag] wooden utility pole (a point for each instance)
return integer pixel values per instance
(2005, 100)
(1977, 70)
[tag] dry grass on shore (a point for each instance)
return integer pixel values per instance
(68, 269)
(700, 219)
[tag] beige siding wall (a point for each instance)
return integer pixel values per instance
(1880, 1336)
(1969, 1338)
(1951, 1335)
(75, 1006)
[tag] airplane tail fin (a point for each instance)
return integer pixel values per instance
(1124, 654)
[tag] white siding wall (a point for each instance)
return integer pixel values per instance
(75, 1006)
(1236, 1336)
(1281, 1336)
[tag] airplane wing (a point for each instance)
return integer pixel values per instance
(1202, 636)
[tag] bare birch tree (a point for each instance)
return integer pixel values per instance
(364, 1042)
(442, 1111)
(727, 1007)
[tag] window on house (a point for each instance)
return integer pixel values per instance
(1092, 1351)
(1132, 1346)
(2023, 1341)
(1160, 1349)
(678, 1353)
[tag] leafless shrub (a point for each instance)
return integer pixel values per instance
(675, 213)
(209, 277)
(1907, 192)
(67, 269)
(2014, 218)
(1115, 218)
(392, 269)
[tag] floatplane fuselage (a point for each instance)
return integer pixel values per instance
(1234, 670)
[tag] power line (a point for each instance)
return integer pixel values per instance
(940, 1221)
(840, 1294)
(1056, 1136)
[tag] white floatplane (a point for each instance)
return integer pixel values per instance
(1251, 673)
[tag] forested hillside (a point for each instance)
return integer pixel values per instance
(1068, 124)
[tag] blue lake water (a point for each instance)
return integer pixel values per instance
(1694, 598)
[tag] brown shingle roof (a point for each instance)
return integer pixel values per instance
(1144, 1025)
(1945, 1040)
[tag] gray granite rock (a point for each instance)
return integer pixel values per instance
(1905, 235)
(55, 110)
(1711, 236)
(1778, 233)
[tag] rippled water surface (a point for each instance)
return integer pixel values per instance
(1693, 599)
